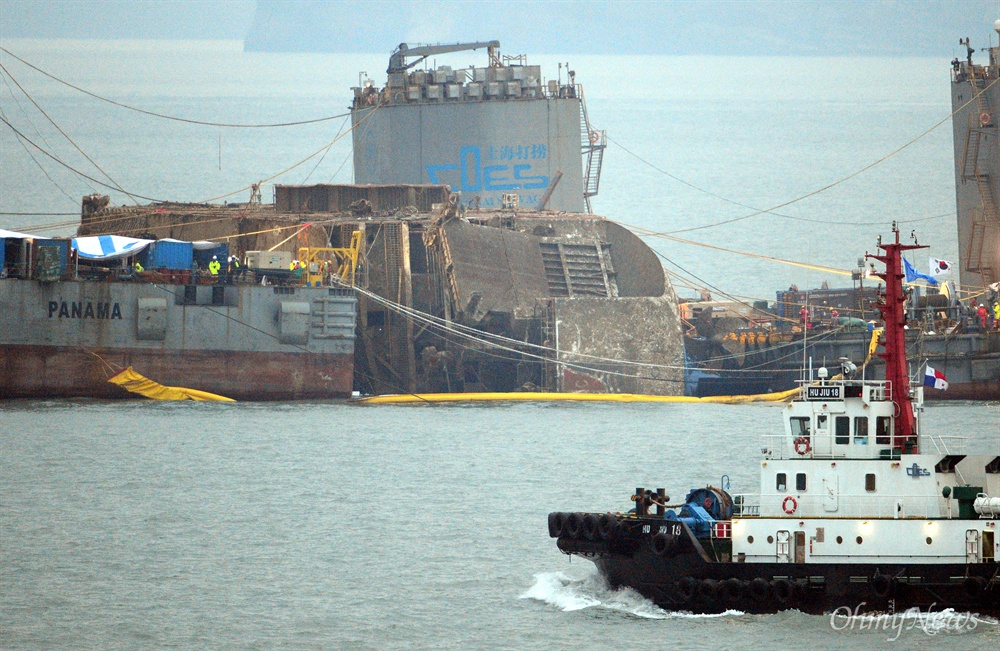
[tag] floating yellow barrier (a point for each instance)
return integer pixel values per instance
(527, 396)
(136, 383)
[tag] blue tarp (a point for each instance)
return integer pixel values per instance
(170, 254)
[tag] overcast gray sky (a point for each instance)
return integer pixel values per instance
(811, 27)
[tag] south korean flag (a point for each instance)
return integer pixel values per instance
(940, 267)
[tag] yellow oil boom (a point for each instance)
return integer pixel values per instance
(142, 385)
(323, 265)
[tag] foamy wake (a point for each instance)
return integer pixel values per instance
(569, 593)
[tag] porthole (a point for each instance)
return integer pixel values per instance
(750, 540)
(770, 539)
(840, 540)
(929, 540)
(859, 540)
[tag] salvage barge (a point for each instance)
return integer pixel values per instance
(64, 334)
(856, 509)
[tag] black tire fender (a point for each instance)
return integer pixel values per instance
(573, 524)
(607, 524)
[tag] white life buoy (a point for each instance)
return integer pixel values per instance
(802, 446)
(594, 137)
(984, 118)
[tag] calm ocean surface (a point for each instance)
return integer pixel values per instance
(327, 525)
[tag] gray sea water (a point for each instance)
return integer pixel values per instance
(329, 525)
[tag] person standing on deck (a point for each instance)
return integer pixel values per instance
(213, 268)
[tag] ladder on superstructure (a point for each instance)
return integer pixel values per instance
(592, 144)
(980, 126)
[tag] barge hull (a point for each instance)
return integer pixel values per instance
(63, 372)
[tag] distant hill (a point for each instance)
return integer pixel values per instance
(690, 27)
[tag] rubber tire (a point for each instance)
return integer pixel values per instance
(607, 524)
(732, 590)
(590, 526)
(687, 589)
(760, 589)
(709, 589)
(555, 525)
(661, 544)
(574, 522)
(783, 590)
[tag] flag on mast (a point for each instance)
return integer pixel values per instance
(940, 267)
(912, 274)
(935, 379)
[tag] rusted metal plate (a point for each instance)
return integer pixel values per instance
(63, 371)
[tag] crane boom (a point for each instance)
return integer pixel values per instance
(397, 61)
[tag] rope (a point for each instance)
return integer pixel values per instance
(170, 117)
(70, 167)
(759, 211)
(64, 134)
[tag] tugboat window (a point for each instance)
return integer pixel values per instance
(800, 481)
(842, 430)
(883, 426)
(781, 482)
(870, 482)
(861, 430)
(821, 422)
(800, 427)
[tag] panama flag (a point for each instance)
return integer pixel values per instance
(935, 379)
(940, 267)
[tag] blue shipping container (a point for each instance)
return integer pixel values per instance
(3, 252)
(170, 255)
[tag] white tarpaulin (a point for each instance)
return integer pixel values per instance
(201, 245)
(108, 247)
(20, 236)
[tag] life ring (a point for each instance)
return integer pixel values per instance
(802, 446)
(594, 137)
(984, 118)
(789, 504)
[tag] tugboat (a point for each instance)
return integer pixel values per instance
(852, 511)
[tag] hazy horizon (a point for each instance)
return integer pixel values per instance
(686, 27)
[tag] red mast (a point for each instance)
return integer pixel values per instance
(897, 372)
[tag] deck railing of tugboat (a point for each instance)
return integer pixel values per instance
(776, 446)
(746, 505)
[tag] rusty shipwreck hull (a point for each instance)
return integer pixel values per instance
(64, 372)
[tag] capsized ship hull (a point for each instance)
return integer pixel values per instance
(65, 339)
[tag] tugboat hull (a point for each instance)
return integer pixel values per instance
(681, 579)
